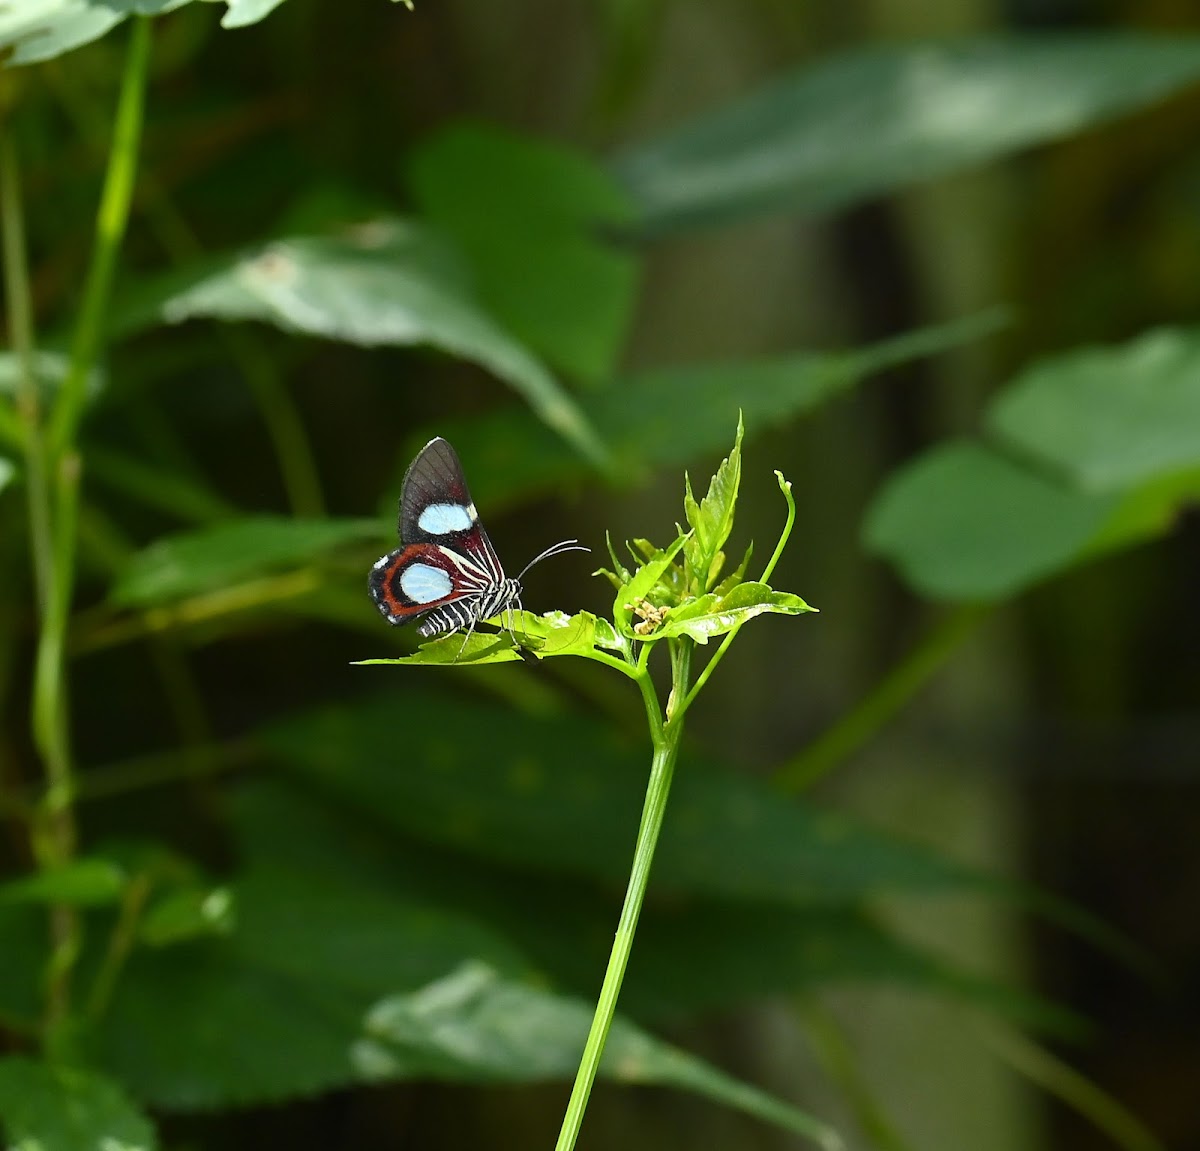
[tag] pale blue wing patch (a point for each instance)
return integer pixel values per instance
(445, 519)
(424, 583)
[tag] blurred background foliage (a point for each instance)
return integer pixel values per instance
(928, 872)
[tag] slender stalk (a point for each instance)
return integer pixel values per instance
(20, 328)
(666, 751)
(111, 218)
(854, 728)
(54, 831)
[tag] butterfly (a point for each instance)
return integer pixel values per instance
(445, 572)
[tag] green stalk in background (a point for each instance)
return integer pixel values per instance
(54, 831)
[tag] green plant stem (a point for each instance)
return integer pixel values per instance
(857, 726)
(20, 329)
(54, 832)
(111, 218)
(666, 751)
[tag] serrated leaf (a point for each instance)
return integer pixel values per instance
(683, 412)
(964, 523)
(563, 796)
(81, 883)
(214, 557)
(388, 282)
(713, 615)
(474, 1024)
(1109, 417)
(641, 584)
(554, 633)
(531, 217)
(876, 119)
(52, 1108)
(712, 519)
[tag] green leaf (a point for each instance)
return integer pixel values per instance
(23, 943)
(1109, 417)
(964, 523)
(563, 795)
(554, 633)
(387, 282)
(531, 218)
(81, 883)
(712, 518)
(215, 557)
(43, 29)
(683, 412)
(867, 122)
(50, 1108)
(644, 582)
(190, 913)
(7, 471)
(714, 615)
(473, 1024)
(49, 370)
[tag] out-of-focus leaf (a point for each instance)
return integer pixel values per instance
(42, 29)
(388, 282)
(49, 370)
(214, 557)
(272, 1010)
(81, 883)
(674, 415)
(7, 471)
(964, 523)
(713, 615)
(24, 946)
(472, 1024)
(51, 1108)
(866, 122)
(1147, 511)
(1109, 418)
(564, 795)
(530, 216)
(188, 914)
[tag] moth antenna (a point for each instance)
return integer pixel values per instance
(554, 550)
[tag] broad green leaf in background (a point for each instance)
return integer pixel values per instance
(532, 217)
(1109, 417)
(49, 369)
(85, 882)
(683, 412)
(387, 282)
(713, 615)
(562, 795)
(197, 561)
(7, 471)
(474, 1024)
(864, 123)
(753, 949)
(23, 947)
(52, 1108)
(965, 523)
(42, 29)
(272, 1011)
